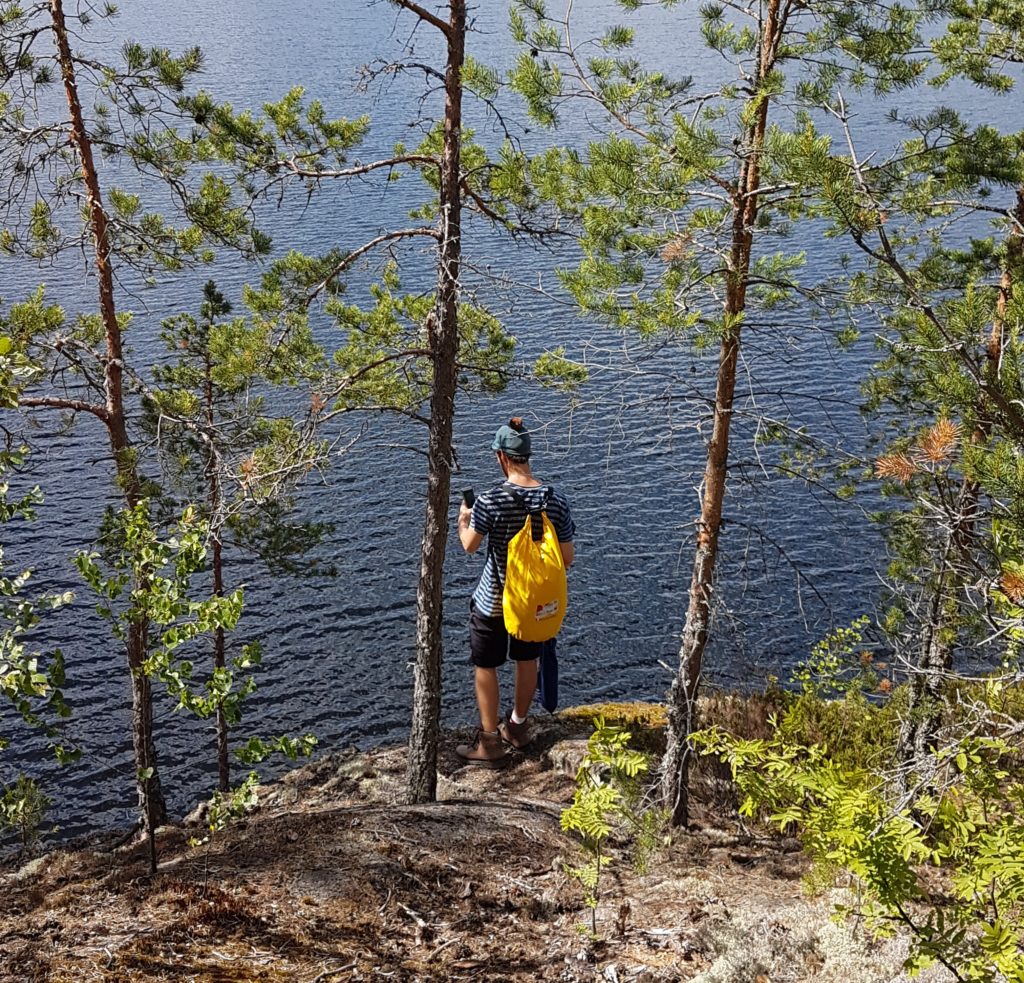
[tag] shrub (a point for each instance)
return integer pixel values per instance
(609, 798)
(23, 807)
(947, 865)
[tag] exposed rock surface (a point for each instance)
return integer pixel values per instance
(332, 878)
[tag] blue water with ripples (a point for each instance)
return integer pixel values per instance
(628, 449)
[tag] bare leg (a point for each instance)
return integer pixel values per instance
(487, 698)
(526, 686)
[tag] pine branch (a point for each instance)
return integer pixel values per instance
(62, 403)
(886, 255)
(425, 15)
(360, 169)
(354, 377)
(368, 74)
(366, 248)
(513, 227)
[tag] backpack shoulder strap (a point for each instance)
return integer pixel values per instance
(517, 494)
(535, 514)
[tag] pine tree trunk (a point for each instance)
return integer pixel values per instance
(214, 499)
(223, 746)
(920, 726)
(443, 336)
(151, 801)
(685, 686)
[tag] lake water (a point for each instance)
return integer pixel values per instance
(626, 450)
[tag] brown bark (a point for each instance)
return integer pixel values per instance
(151, 800)
(223, 748)
(745, 198)
(443, 338)
(219, 642)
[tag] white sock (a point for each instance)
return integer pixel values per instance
(516, 719)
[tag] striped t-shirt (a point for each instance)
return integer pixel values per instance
(499, 517)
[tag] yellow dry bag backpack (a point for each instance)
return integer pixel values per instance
(536, 592)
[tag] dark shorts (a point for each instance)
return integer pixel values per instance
(490, 643)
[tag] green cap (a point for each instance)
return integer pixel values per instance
(513, 438)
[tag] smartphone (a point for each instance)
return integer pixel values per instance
(468, 497)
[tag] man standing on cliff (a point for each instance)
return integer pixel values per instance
(498, 516)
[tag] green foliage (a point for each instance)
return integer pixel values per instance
(846, 704)
(234, 805)
(480, 79)
(608, 798)
(257, 749)
(966, 912)
(979, 42)
(838, 665)
(945, 392)
(385, 362)
(132, 113)
(287, 129)
(135, 111)
(23, 807)
(1001, 698)
(539, 84)
(21, 325)
(225, 449)
(31, 682)
(655, 199)
(942, 858)
(552, 368)
(269, 529)
(225, 808)
(220, 444)
(855, 732)
(147, 579)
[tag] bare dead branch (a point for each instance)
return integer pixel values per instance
(62, 403)
(425, 15)
(290, 164)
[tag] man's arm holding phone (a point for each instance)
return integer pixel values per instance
(470, 538)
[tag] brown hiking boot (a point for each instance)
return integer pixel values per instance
(518, 735)
(487, 751)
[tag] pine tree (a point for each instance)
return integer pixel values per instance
(679, 207)
(405, 352)
(53, 202)
(223, 446)
(949, 385)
